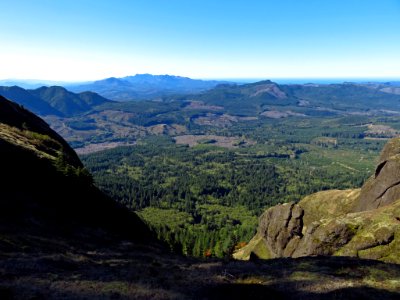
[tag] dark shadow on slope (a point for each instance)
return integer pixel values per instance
(45, 191)
(242, 291)
(285, 290)
(35, 195)
(118, 272)
(306, 278)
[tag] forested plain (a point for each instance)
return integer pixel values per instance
(204, 199)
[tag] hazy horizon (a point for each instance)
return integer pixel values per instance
(282, 80)
(90, 40)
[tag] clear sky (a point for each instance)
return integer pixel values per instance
(94, 39)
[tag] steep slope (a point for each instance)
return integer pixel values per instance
(67, 102)
(31, 102)
(47, 194)
(383, 188)
(362, 223)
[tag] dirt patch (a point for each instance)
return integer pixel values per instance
(380, 131)
(224, 120)
(165, 129)
(221, 141)
(271, 89)
(391, 90)
(201, 105)
(91, 148)
(275, 114)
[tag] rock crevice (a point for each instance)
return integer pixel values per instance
(280, 225)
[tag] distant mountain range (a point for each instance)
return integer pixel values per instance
(33, 83)
(145, 86)
(137, 87)
(151, 87)
(53, 100)
(61, 238)
(253, 99)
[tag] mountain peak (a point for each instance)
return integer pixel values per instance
(146, 86)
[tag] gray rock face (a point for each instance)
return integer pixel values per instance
(384, 187)
(285, 235)
(363, 223)
(323, 239)
(279, 226)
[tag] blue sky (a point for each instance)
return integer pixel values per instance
(87, 39)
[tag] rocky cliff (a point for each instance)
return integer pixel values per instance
(361, 223)
(383, 188)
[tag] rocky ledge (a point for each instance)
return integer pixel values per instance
(361, 223)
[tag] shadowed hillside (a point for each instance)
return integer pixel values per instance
(31, 102)
(46, 190)
(54, 100)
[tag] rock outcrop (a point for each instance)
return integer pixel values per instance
(360, 222)
(383, 188)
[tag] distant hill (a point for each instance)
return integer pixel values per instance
(310, 99)
(67, 102)
(145, 86)
(247, 99)
(222, 106)
(28, 100)
(391, 87)
(32, 83)
(344, 96)
(53, 100)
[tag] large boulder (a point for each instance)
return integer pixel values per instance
(360, 222)
(293, 230)
(383, 188)
(279, 227)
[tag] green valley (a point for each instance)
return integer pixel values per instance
(215, 160)
(200, 150)
(204, 199)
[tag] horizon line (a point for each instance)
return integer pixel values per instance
(246, 79)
